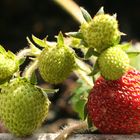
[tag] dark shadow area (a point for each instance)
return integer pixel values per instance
(21, 18)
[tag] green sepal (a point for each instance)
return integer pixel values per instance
(132, 51)
(84, 43)
(33, 78)
(75, 34)
(86, 15)
(133, 54)
(30, 43)
(47, 91)
(115, 16)
(21, 60)
(95, 70)
(11, 55)
(41, 43)
(2, 50)
(50, 91)
(101, 11)
(33, 47)
(125, 46)
(91, 52)
(60, 39)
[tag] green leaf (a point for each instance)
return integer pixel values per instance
(125, 46)
(22, 60)
(75, 34)
(2, 50)
(86, 15)
(79, 98)
(91, 52)
(60, 39)
(41, 43)
(33, 78)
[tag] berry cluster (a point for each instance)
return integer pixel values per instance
(114, 101)
(24, 105)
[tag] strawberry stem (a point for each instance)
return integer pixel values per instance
(82, 71)
(84, 76)
(30, 69)
(23, 53)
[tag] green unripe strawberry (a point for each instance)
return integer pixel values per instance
(101, 32)
(56, 63)
(113, 63)
(23, 106)
(8, 65)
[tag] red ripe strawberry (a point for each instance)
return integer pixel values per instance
(114, 106)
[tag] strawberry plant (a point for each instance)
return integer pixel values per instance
(107, 97)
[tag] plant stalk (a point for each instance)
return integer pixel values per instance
(82, 72)
(30, 69)
(72, 8)
(23, 53)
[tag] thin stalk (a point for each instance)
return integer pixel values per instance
(82, 71)
(84, 76)
(23, 53)
(30, 69)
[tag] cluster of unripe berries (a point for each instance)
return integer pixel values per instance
(24, 105)
(102, 34)
(113, 100)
